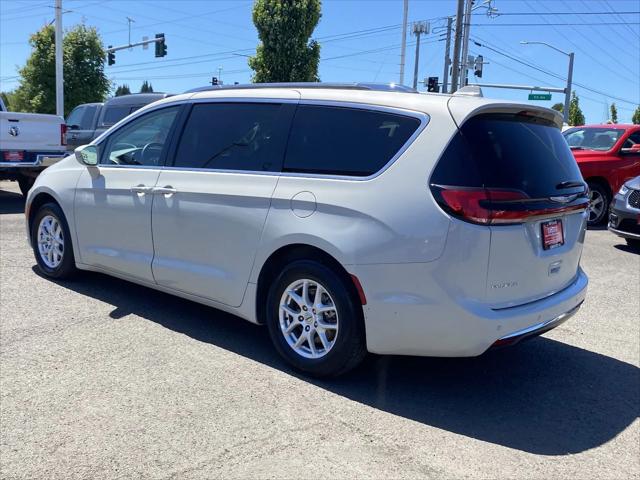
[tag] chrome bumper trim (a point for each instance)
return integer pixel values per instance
(542, 326)
(622, 233)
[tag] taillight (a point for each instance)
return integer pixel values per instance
(487, 206)
(63, 134)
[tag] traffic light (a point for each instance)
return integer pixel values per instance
(111, 57)
(161, 47)
(477, 67)
(214, 81)
(432, 84)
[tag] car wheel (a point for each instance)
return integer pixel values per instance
(25, 184)
(51, 242)
(315, 319)
(633, 243)
(598, 204)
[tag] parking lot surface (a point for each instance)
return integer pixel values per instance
(101, 378)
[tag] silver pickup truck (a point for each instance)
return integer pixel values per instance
(29, 142)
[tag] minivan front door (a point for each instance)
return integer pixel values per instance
(113, 199)
(208, 222)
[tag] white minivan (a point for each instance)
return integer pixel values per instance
(346, 218)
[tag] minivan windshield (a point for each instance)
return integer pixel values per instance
(599, 139)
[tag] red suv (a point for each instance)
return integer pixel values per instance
(607, 155)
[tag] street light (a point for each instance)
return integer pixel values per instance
(567, 93)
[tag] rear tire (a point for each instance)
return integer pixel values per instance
(599, 199)
(51, 242)
(322, 334)
(25, 184)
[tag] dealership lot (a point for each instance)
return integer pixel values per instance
(101, 378)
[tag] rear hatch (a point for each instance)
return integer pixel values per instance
(512, 171)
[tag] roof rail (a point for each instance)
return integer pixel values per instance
(382, 87)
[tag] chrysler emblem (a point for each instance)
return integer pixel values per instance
(14, 132)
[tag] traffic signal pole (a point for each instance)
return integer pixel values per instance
(161, 48)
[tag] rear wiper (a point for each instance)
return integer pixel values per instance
(575, 147)
(569, 184)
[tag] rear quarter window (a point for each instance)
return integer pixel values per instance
(345, 141)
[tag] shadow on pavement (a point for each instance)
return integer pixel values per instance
(543, 396)
(627, 248)
(11, 202)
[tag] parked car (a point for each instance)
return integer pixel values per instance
(624, 219)
(607, 158)
(346, 219)
(29, 143)
(89, 120)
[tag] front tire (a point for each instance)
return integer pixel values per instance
(51, 242)
(599, 200)
(315, 320)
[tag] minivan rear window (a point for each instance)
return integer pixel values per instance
(509, 151)
(345, 141)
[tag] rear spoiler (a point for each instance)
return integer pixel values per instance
(463, 106)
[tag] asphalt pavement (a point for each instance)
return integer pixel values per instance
(101, 378)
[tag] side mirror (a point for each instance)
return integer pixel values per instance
(73, 127)
(87, 155)
(633, 150)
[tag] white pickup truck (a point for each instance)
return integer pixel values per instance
(29, 143)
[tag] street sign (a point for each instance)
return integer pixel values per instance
(539, 96)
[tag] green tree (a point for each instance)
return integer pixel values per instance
(8, 99)
(285, 53)
(146, 87)
(559, 107)
(83, 64)
(636, 116)
(576, 117)
(614, 113)
(122, 90)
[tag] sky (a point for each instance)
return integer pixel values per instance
(360, 41)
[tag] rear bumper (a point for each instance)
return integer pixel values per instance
(36, 160)
(535, 330)
(408, 312)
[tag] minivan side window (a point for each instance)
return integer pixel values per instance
(234, 136)
(141, 141)
(345, 141)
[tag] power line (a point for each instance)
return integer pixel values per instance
(560, 77)
(551, 24)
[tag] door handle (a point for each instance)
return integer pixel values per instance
(141, 189)
(167, 190)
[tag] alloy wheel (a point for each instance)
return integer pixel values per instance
(50, 241)
(308, 318)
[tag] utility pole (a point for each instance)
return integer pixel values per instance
(455, 72)
(447, 56)
(464, 61)
(59, 70)
(567, 95)
(403, 49)
(418, 29)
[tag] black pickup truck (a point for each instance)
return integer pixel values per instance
(87, 121)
